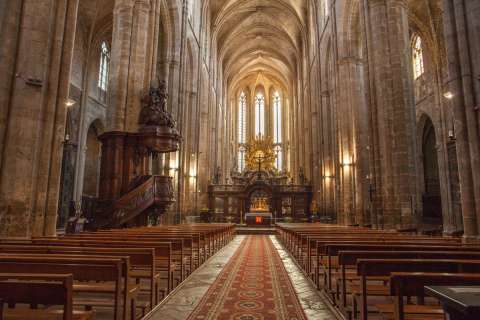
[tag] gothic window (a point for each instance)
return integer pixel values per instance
(103, 71)
(417, 54)
(242, 116)
(242, 130)
(259, 115)
(277, 130)
(277, 118)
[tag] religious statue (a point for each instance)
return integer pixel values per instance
(217, 176)
(154, 108)
(234, 170)
(301, 176)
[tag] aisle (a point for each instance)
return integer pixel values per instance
(249, 279)
(254, 285)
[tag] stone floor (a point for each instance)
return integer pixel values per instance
(184, 299)
(313, 304)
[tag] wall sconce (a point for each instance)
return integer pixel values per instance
(448, 95)
(192, 174)
(347, 162)
(70, 102)
(451, 134)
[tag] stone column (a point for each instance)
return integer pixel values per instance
(137, 81)
(119, 64)
(460, 83)
(128, 63)
(34, 132)
(11, 13)
(346, 109)
(395, 117)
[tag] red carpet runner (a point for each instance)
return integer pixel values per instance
(253, 285)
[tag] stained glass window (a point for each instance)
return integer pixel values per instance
(417, 54)
(259, 115)
(103, 70)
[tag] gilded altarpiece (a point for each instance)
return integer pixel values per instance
(260, 187)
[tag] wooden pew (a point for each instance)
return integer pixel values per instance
(177, 252)
(163, 253)
(102, 270)
(177, 249)
(384, 267)
(142, 261)
(39, 289)
(330, 249)
(316, 248)
(348, 261)
(412, 285)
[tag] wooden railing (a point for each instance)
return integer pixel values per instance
(154, 192)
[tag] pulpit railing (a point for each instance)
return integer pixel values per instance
(155, 192)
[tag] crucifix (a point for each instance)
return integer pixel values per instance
(259, 158)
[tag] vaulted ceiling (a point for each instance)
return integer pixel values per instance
(259, 36)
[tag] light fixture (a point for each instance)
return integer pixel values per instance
(347, 161)
(451, 134)
(448, 95)
(327, 175)
(70, 102)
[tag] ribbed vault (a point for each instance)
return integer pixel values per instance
(258, 37)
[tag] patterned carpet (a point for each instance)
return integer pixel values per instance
(253, 285)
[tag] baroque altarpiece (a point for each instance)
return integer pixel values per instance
(259, 187)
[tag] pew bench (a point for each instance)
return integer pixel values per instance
(92, 275)
(403, 285)
(385, 267)
(39, 289)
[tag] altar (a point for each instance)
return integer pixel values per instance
(259, 215)
(259, 195)
(258, 219)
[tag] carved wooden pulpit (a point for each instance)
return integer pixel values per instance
(128, 192)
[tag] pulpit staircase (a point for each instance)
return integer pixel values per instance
(149, 194)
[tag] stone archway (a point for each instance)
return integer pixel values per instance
(92, 160)
(430, 184)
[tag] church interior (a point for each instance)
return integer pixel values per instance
(240, 159)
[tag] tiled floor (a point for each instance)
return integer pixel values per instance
(186, 297)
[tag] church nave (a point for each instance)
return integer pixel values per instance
(239, 159)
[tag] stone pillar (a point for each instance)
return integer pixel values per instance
(395, 118)
(30, 166)
(346, 107)
(10, 22)
(460, 83)
(128, 63)
(139, 63)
